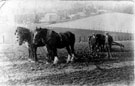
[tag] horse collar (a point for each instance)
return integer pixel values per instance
(47, 36)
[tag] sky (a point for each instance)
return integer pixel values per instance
(24, 5)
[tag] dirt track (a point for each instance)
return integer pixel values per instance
(25, 73)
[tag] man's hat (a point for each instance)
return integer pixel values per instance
(106, 33)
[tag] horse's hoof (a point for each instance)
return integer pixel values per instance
(55, 62)
(30, 60)
(47, 63)
(54, 65)
(71, 61)
(68, 62)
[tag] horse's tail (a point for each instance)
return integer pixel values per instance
(72, 42)
(72, 37)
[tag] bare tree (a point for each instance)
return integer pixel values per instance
(3, 3)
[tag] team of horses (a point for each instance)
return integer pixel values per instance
(97, 43)
(52, 40)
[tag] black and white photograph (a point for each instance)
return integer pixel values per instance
(67, 43)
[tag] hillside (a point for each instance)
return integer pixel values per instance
(117, 22)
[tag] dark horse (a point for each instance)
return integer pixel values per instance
(100, 41)
(97, 41)
(24, 35)
(54, 40)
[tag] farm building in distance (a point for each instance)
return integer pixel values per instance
(50, 17)
(77, 15)
(101, 11)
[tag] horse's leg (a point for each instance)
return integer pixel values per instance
(73, 52)
(98, 48)
(49, 58)
(90, 47)
(33, 50)
(69, 54)
(30, 54)
(49, 55)
(55, 56)
(93, 48)
(35, 53)
(102, 48)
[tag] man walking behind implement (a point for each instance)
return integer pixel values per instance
(107, 46)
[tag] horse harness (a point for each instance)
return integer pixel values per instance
(48, 37)
(106, 39)
(60, 36)
(50, 32)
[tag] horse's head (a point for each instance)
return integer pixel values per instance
(89, 38)
(18, 36)
(38, 36)
(22, 35)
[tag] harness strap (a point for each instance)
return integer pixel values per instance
(47, 35)
(31, 36)
(106, 39)
(60, 36)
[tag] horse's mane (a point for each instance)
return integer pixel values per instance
(22, 30)
(46, 30)
(42, 29)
